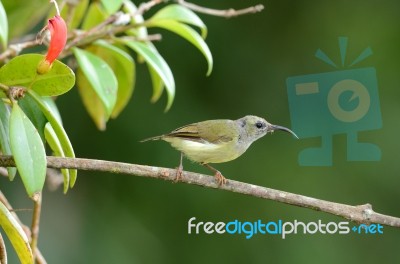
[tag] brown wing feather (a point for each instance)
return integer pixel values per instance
(212, 131)
(189, 132)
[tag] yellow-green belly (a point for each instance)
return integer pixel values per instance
(206, 152)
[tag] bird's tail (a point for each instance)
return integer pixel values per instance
(151, 138)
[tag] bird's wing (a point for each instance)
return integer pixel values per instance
(189, 132)
(206, 132)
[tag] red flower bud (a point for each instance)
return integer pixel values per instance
(58, 38)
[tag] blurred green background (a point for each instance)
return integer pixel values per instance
(109, 218)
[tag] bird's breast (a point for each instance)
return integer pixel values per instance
(206, 152)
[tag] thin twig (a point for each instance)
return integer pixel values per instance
(37, 208)
(39, 257)
(360, 213)
(228, 13)
(146, 6)
(14, 49)
(3, 251)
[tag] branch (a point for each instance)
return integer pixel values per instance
(37, 199)
(228, 13)
(359, 213)
(14, 49)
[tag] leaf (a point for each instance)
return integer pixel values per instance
(111, 6)
(157, 62)
(5, 136)
(59, 130)
(3, 27)
(92, 102)
(16, 235)
(75, 12)
(24, 15)
(32, 110)
(182, 14)
(189, 34)
(55, 145)
(158, 85)
(95, 15)
(21, 70)
(124, 68)
(28, 151)
(51, 105)
(100, 76)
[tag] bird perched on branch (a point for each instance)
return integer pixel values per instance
(217, 141)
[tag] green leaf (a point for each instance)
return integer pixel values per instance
(124, 68)
(182, 14)
(59, 130)
(28, 151)
(75, 12)
(92, 102)
(111, 6)
(51, 105)
(100, 76)
(55, 145)
(21, 70)
(95, 15)
(158, 85)
(5, 136)
(189, 34)
(157, 62)
(3, 27)
(24, 15)
(16, 234)
(32, 110)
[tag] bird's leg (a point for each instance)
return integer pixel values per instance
(179, 170)
(221, 180)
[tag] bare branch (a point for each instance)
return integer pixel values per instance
(228, 13)
(360, 213)
(14, 49)
(3, 251)
(37, 208)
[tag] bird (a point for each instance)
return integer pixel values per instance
(217, 141)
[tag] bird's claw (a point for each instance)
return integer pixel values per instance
(221, 180)
(179, 173)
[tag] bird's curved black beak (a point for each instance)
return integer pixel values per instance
(276, 127)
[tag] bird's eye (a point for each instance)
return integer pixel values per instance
(259, 125)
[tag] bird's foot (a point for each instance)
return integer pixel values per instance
(179, 173)
(221, 180)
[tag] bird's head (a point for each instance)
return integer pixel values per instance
(255, 127)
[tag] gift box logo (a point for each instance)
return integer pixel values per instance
(339, 102)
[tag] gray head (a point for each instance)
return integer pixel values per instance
(254, 127)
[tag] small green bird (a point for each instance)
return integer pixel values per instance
(217, 141)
